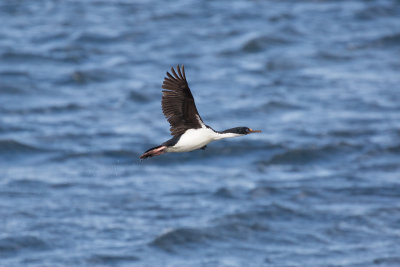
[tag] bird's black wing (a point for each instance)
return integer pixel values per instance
(178, 104)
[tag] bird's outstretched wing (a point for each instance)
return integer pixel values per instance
(178, 104)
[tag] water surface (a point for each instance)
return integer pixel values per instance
(80, 86)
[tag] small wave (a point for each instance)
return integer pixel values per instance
(49, 109)
(68, 53)
(224, 192)
(97, 38)
(332, 56)
(16, 244)
(171, 14)
(373, 12)
(112, 259)
(114, 154)
(11, 89)
(27, 183)
(279, 64)
(275, 105)
(308, 155)
(264, 192)
(392, 261)
(60, 108)
(12, 147)
(24, 57)
(48, 37)
(233, 226)
(394, 149)
(11, 129)
(272, 211)
(351, 132)
(388, 40)
(91, 75)
(81, 185)
(281, 16)
(243, 145)
(138, 97)
(369, 191)
(86, 76)
(259, 44)
(15, 82)
(181, 237)
(15, 75)
(121, 153)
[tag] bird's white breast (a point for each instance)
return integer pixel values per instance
(194, 139)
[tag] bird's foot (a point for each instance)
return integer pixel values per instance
(156, 151)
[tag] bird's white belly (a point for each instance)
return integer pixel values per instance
(193, 139)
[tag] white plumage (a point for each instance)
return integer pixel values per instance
(194, 139)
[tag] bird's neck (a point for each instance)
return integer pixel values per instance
(222, 135)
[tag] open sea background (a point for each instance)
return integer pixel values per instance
(80, 91)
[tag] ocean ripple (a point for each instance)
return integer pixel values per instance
(80, 90)
(17, 244)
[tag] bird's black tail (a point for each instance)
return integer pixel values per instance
(155, 151)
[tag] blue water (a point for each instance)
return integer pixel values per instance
(80, 91)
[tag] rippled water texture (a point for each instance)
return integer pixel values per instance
(80, 91)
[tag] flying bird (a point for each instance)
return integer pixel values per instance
(187, 128)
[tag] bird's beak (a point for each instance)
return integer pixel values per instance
(254, 131)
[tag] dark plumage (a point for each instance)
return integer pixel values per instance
(178, 104)
(238, 130)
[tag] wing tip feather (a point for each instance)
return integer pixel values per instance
(177, 75)
(183, 71)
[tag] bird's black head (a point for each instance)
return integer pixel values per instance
(241, 130)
